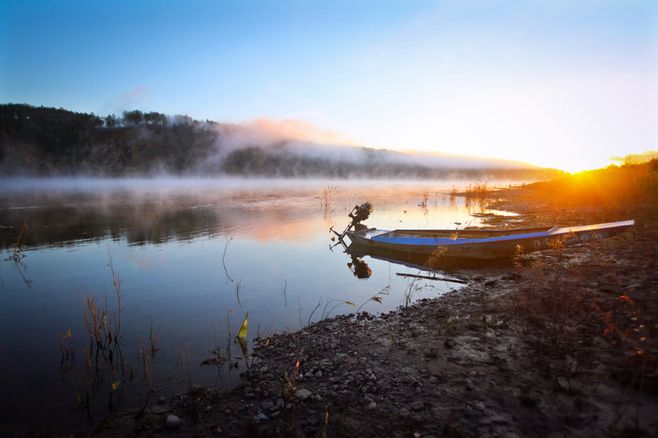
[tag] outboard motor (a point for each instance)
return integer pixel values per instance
(358, 214)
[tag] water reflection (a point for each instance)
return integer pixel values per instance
(427, 263)
(359, 268)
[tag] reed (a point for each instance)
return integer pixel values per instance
(326, 313)
(283, 292)
(326, 200)
(424, 199)
(18, 256)
(228, 277)
(184, 364)
(377, 298)
(99, 384)
(153, 338)
(412, 288)
(478, 190)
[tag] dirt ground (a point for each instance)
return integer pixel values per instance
(558, 343)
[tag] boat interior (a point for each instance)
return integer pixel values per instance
(456, 234)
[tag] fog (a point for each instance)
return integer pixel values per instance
(167, 183)
(304, 139)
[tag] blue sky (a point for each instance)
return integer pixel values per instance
(561, 83)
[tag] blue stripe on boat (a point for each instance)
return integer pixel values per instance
(444, 241)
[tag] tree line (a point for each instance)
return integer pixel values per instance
(57, 142)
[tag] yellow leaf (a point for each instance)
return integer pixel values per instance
(115, 385)
(242, 334)
(350, 303)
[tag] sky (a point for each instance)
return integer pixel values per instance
(555, 83)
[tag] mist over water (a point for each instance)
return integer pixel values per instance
(194, 256)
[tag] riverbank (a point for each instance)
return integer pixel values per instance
(561, 342)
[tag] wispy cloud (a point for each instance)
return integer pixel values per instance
(130, 99)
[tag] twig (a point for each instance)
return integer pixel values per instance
(223, 259)
(285, 297)
(428, 277)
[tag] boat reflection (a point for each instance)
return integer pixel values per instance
(431, 264)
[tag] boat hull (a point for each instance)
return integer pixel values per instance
(403, 242)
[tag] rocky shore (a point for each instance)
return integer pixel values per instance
(558, 343)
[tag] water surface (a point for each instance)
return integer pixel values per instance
(194, 257)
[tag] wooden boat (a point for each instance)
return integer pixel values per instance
(480, 243)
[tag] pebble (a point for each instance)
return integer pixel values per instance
(267, 404)
(160, 409)
(480, 405)
(563, 383)
(417, 405)
(372, 405)
(303, 394)
(260, 417)
(173, 422)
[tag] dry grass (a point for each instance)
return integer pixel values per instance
(327, 200)
(629, 191)
(478, 190)
(567, 311)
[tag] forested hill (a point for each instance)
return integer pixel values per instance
(57, 142)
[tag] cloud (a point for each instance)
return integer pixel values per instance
(126, 100)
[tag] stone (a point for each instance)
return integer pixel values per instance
(417, 405)
(372, 405)
(260, 417)
(267, 404)
(172, 422)
(480, 405)
(303, 394)
(160, 409)
(563, 383)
